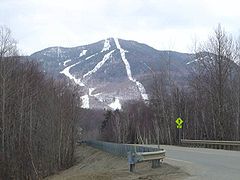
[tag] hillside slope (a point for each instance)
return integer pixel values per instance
(113, 70)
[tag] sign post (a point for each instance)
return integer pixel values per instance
(179, 123)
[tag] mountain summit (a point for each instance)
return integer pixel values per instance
(111, 71)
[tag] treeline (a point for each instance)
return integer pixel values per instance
(209, 105)
(37, 117)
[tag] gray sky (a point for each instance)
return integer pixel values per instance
(162, 24)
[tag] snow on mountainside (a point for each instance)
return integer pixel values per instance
(129, 73)
(113, 70)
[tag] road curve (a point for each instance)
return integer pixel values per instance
(202, 163)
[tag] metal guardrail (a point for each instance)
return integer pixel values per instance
(148, 156)
(134, 153)
(227, 145)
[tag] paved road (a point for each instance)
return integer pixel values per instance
(203, 163)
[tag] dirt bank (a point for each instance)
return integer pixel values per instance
(93, 164)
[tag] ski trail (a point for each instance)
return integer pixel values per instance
(84, 98)
(195, 60)
(83, 53)
(127, 65)
(90, 91)
(95, 95)
(91, 56)
(85, 101)
(116, 104)
(65, 62)
(67, 69)
(67, 73)
(149, 67)
(58, 51)
(129, 73)
(99, 65)
(106, 45)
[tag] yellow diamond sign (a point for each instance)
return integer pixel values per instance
(179, 122)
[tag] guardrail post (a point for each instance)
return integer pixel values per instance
(132, 168)
(131, 161)
(155, 163)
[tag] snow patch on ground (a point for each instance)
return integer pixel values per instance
(190, 62)
(237, 62)
(85, 101)
(70, 76)
(90, 91)
(86, 98)
(149, 67)
(142, 90)
(65, 62)
(83, 53)
(116, 104)
(95, 95)
(91, 56)
(67, 73)
(99, 65)
(98, 94)
(129, 73)
(58, 51)
(106, 45)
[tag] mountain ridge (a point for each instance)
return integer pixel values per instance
(111, 71)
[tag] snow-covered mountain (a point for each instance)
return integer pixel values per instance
(113, 70)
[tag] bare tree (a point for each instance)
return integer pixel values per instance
(8, 45)
(7, 48)
(214, 60)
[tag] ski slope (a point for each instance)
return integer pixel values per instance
(129, 73)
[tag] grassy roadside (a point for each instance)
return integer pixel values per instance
(93, 164)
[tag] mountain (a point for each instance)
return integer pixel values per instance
(113, 70)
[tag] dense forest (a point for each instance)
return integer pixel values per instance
(37, 117)
(209, 105)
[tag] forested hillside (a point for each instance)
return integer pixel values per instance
(209, 105)
(37, 117)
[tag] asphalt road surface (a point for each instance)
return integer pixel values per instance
(202, 163)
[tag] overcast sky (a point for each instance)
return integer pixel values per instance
(162, 24)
